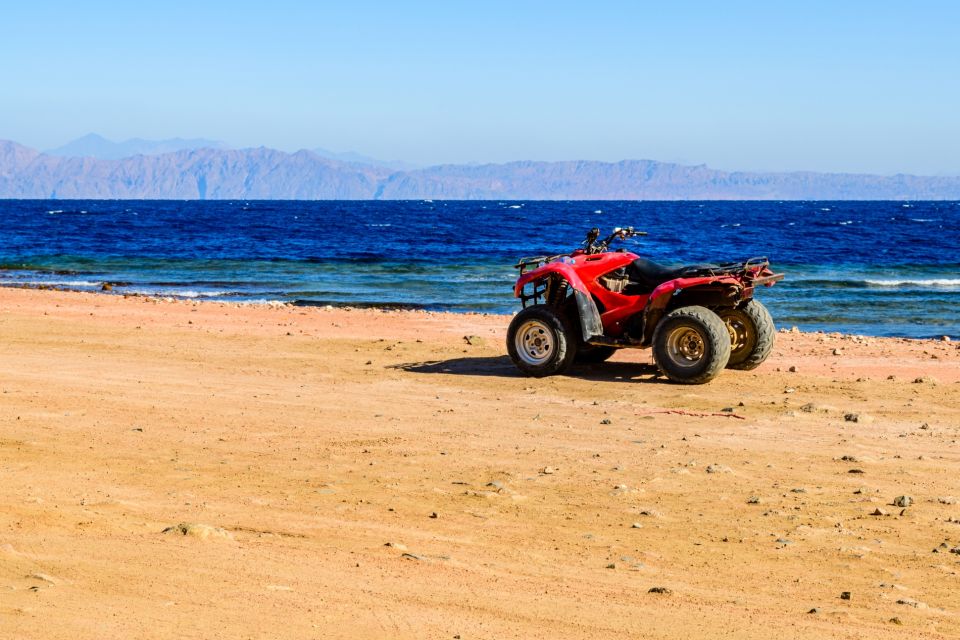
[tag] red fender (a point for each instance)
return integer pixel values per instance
(660, 297)
(566, 271)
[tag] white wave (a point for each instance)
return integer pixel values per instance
(924, 219)
(515, 206)
(55, 211)
(846, 222)
(599, 211)
(178, 293)
(384, 224)
(916, 282)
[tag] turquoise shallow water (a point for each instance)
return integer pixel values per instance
(877, 268)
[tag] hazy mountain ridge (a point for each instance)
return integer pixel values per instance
(264, 173)
(93, 145)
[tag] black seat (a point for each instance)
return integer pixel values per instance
(646, 275)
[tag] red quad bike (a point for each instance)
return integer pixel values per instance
(584, 306)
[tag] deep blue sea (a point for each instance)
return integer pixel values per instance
(875, 268)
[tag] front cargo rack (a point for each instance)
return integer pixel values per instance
(534, 291)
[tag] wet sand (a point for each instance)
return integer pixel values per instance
(367, 474)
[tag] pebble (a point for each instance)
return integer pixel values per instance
(837, 352)
(396, 545)
(815, 610)
(878, 512)
(902, 501)
(753, 500)
(912, 603)
(718, 468)
(636, 525)
(845, 595)
(858, 417)
(202, 531)
(548, 471)
(606, 421)
(661, 590)
(793, 368)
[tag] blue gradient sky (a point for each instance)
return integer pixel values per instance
(831, 86)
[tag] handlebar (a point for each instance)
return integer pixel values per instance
(591, 246)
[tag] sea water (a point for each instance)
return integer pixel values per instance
(875, 268)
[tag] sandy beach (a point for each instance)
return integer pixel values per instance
(177, 469)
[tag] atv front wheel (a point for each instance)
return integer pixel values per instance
(691, 345)
(541, 341)
(751, 334)
(593, 353)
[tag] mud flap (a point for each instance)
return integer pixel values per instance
(589, 316)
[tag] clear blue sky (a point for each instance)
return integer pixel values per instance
(833, 86)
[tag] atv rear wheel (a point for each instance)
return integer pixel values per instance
(593, 353)
(541, 341)
(751, 334)
(691, 345)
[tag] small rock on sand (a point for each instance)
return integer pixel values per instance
(718, 468)
(753, 500)
(878, 512)
(548, 471)
(912, 603)
(858, 417)
(661, 590)
(202, 531)
(902, 501)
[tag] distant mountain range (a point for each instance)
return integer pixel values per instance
(203, 171)
(96, 146)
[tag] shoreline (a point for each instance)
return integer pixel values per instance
(194, 469)
(402, 307)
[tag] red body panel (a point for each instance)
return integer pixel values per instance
(583, 271)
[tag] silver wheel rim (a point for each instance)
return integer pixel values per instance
(686, 347)
(535, 342)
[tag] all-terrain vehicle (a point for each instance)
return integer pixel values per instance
(583, 306)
